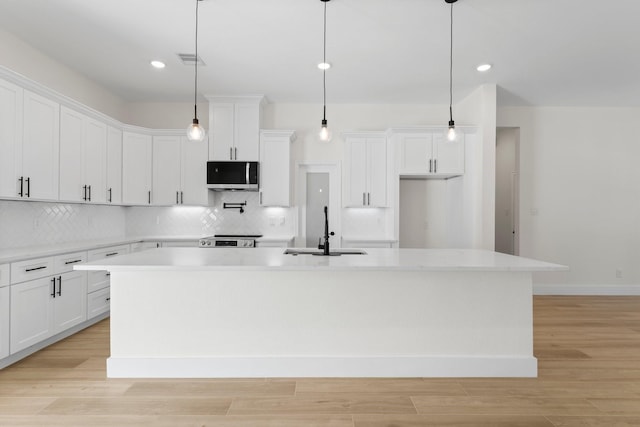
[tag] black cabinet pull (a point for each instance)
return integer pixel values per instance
(177, 197)
(181, 198)
(53, 281)
(28, 187)
(21, 193)
(84, 192)
(108, 299)
(435, 166)
(59, 286)
(35, 268)
(110, 195)
(89, 187)
(149, 196)
(112, 254)
(230, 153)
(107, 274)
(72, 262)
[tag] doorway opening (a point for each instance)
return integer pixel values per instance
(318, 186)
(507, 214)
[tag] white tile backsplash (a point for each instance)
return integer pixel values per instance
(25, 223)
(206, 221)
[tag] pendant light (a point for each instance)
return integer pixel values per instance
(451, 133)
(325, 134)
(195, 132)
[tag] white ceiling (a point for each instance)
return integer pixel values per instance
(544, 52)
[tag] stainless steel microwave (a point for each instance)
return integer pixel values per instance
(233, 176)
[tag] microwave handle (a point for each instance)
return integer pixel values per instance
(246, 176)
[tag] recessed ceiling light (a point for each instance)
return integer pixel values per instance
(157, 64)
(324, 65)
(484, 67)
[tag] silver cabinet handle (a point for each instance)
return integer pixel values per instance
(246, 175)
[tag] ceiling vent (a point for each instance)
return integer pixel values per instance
(190, 59)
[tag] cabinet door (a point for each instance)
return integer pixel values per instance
(166, 170)
(72, 183)
(246, 132)
(70, 302)
(221, 132)
(40, 147)
(136, 168)
(10, 138)
(31, 313)
(377, 172)
(275, 173)
(448, 155)
(114, 166)
(95, 160)
(4, 322)
(98, 302)
(356, 157)
(415, 154)
(194, 190)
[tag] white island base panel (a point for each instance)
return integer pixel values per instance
(234, 324)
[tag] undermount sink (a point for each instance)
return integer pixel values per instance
(312, 251)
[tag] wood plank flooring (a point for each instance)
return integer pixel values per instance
(588, 350)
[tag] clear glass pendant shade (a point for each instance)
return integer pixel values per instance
(195, 132)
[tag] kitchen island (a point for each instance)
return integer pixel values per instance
(189, 312)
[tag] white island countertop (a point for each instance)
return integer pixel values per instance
(274, 259)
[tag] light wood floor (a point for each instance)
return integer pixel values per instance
(589, 375)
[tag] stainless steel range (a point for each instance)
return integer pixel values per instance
(230, 241)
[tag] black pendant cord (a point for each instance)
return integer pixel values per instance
(195, 91)
(324, 70)
(451, 68)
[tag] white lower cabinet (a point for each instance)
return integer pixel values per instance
(4, 321)
(44, 307)
(98, 302)
(31, 312)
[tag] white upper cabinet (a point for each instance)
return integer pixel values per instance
(430, 154)
(136, 168)
(83, 152)
(366, 169)
(166, 170)
(40, 147)
(275, 167)
(179, 171)
(193, 190)
(114, 165)
(235, 127)
(11, 98)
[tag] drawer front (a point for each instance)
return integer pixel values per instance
(31, 269)
(5, 269)
(142, 246)
(97, 280)
(65, 263)
(107, 252)
(98, 302)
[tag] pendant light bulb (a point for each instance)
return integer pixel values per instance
(325, 134)
(452, 135)
(195, 132)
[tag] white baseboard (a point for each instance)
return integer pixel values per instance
(577, 289)
(298, 367)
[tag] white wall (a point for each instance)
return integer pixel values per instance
(167, 115)
(33, 64)
(579, 191)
